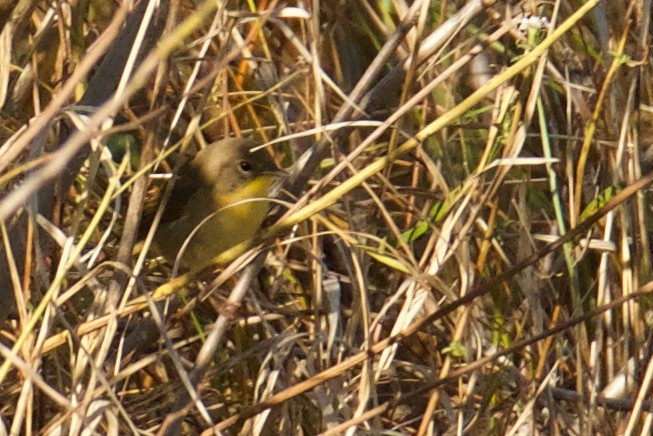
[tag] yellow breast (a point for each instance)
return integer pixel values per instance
(235, 217)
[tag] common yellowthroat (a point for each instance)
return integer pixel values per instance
(217, 201)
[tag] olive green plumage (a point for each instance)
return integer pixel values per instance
(219, 197)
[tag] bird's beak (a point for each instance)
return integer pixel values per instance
(278, 173)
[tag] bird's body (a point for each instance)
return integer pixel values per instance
(218, 201)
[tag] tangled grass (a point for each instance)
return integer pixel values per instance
(462, 246)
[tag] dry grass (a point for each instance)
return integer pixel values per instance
(465, 248)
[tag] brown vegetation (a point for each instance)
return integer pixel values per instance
(463, 244)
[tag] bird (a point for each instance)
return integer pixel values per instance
(219, 200)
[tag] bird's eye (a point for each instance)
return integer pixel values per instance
(245, 166)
